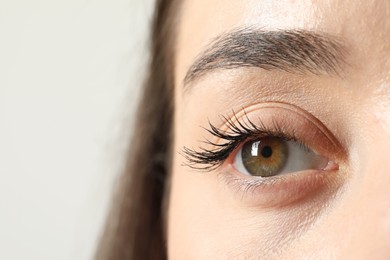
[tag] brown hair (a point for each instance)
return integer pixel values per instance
(135, 226)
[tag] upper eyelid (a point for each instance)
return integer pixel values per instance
(299, 111)
(278, 125)
(240, 132)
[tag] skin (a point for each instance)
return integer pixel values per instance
(342, 213)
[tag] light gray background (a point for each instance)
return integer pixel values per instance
(69, 72)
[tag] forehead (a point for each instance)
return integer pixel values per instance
(357, 22)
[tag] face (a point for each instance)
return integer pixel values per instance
(282, 131)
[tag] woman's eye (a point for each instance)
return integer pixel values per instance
(270, 156)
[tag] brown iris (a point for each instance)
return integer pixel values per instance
(264, 157)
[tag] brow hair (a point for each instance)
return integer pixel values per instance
(286, 50)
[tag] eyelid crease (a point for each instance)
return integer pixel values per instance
(297, 110)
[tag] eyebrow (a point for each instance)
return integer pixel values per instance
(295, 51)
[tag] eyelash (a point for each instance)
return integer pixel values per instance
(239, 131)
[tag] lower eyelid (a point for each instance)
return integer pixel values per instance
(278, 191)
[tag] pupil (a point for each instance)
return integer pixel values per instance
(266, 152)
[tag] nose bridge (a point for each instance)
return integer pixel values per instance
(367, 200)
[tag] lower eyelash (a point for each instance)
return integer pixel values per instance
(239, 130)
(251, 185)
